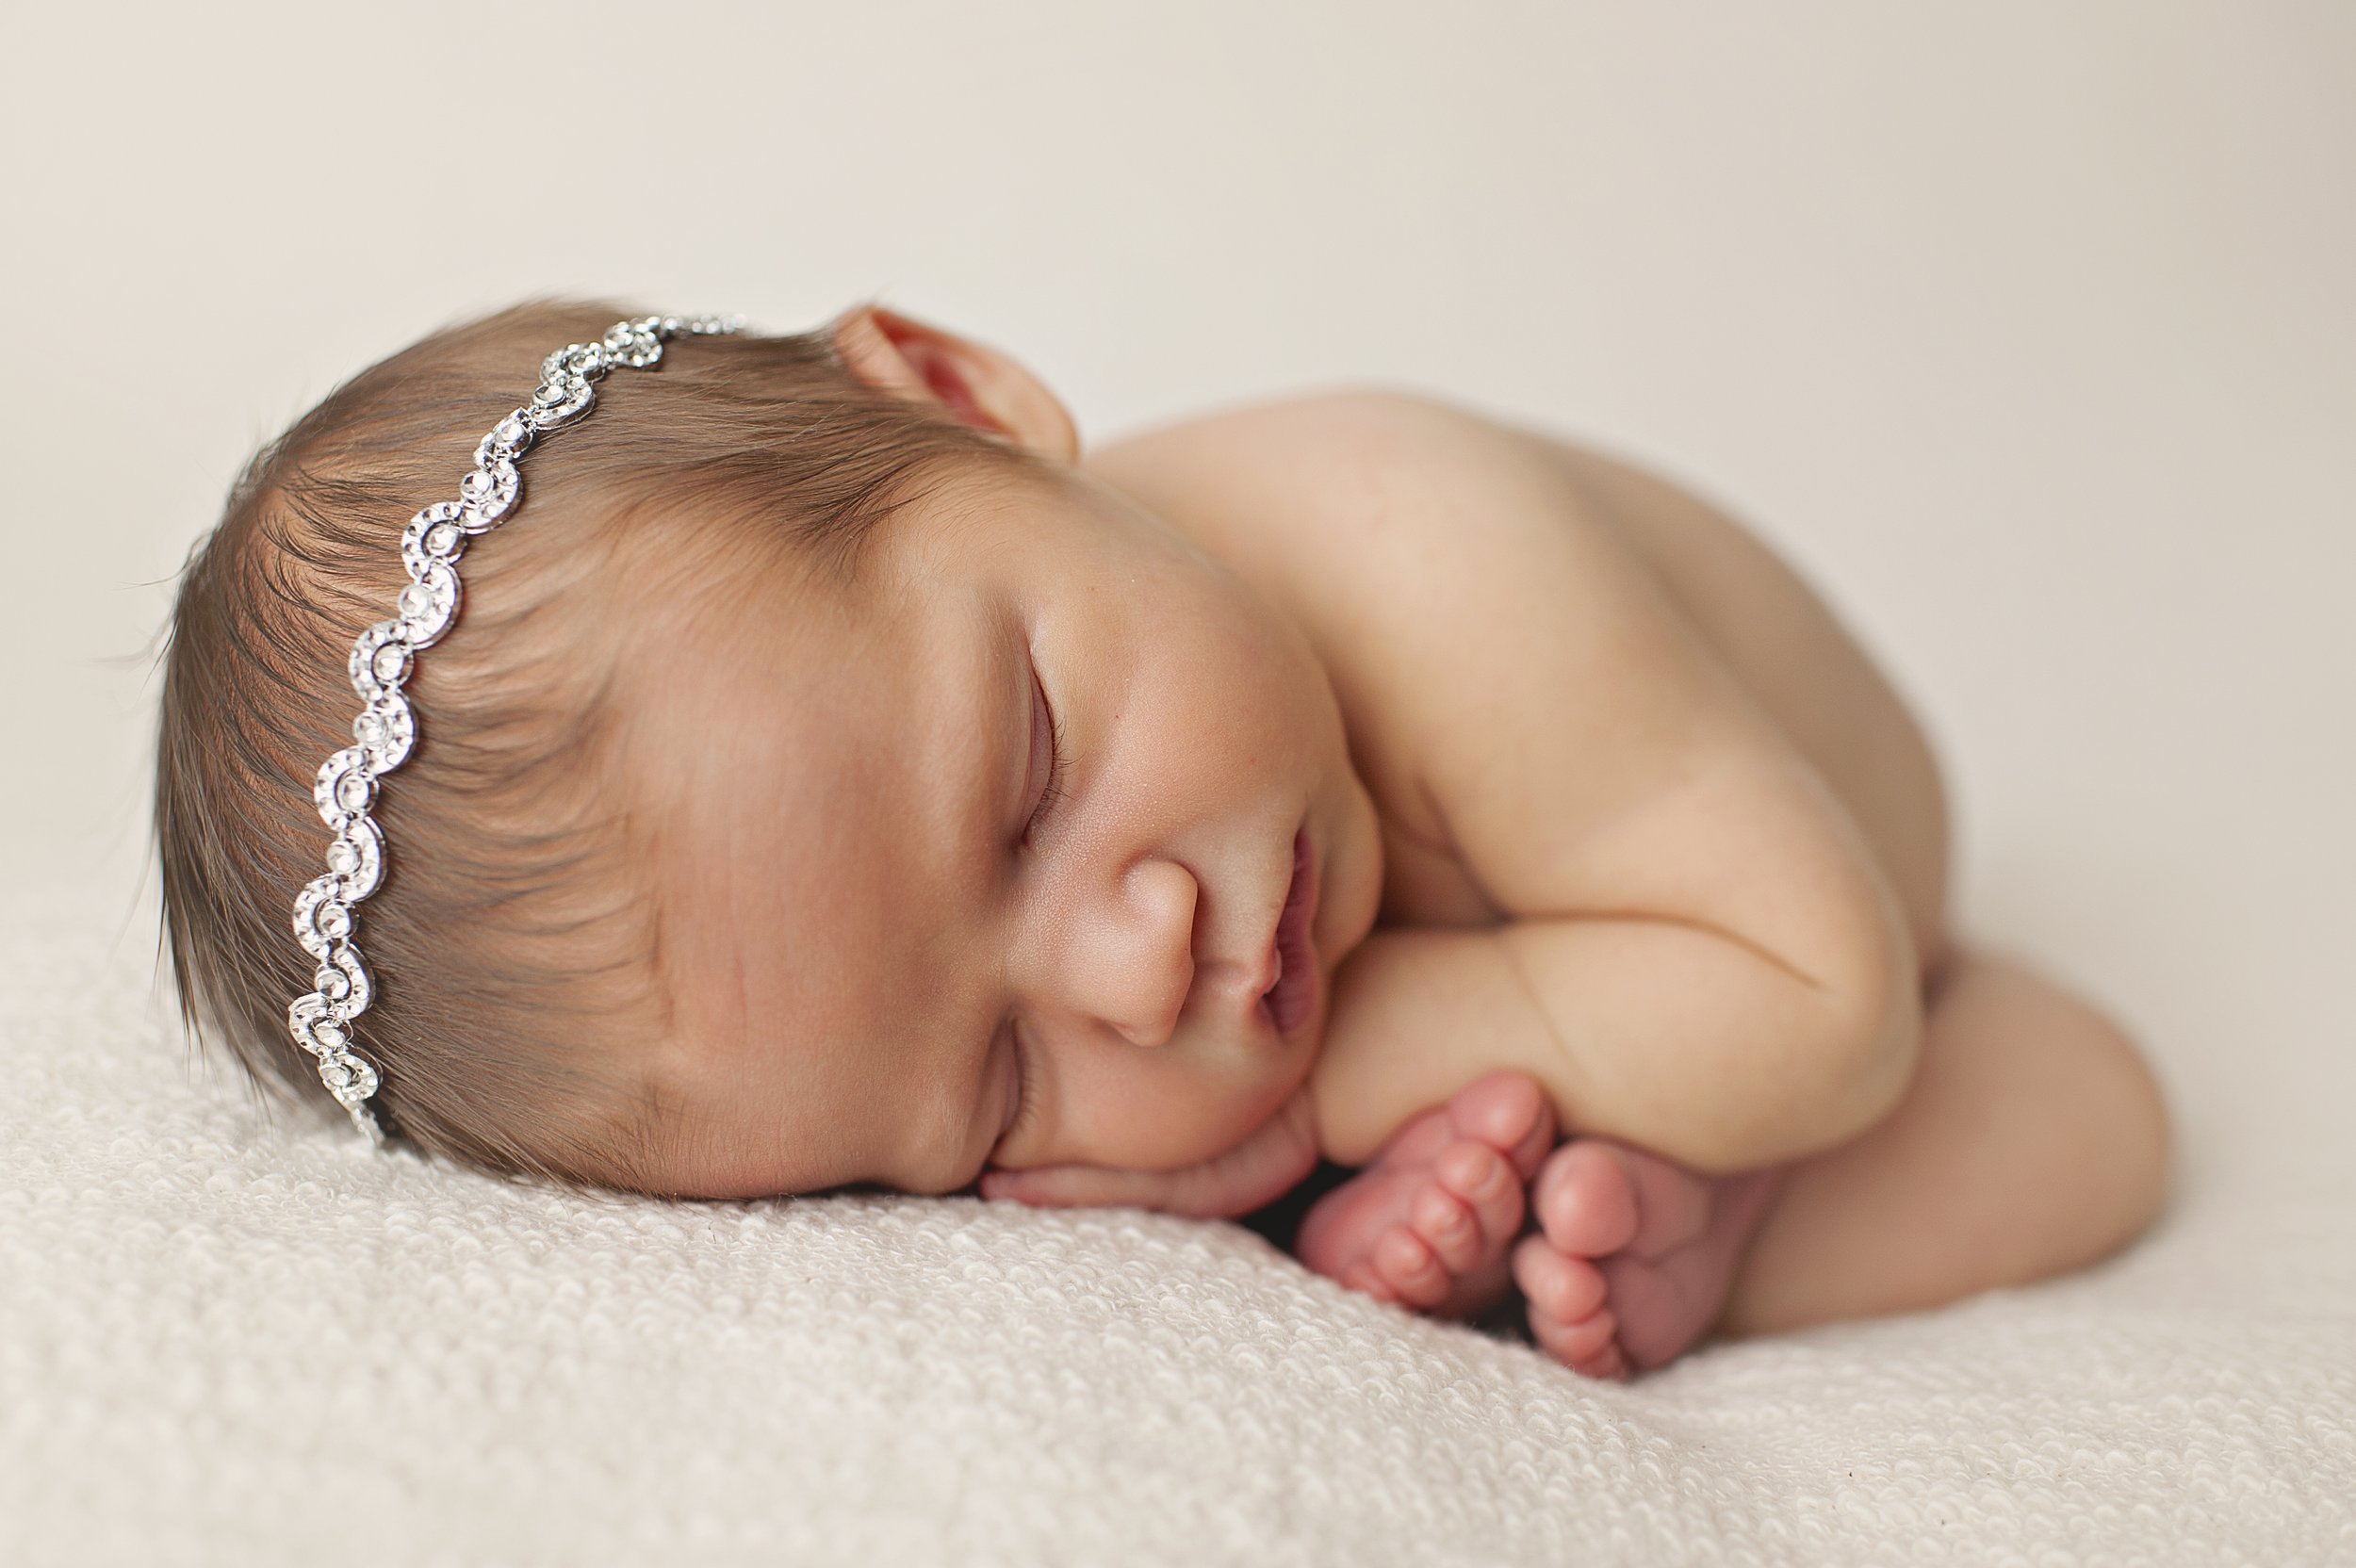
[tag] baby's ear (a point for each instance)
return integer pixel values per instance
(981, 387)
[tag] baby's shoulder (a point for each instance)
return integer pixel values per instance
(1509, 669)
(1379, 518)
(1358, 506)
(1344, 507)
(1332, 466)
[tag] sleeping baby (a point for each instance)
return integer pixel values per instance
(836, 776)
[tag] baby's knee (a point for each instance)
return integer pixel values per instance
(2084, 1060)
(2136, 1125)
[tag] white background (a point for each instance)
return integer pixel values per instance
(2026, 329)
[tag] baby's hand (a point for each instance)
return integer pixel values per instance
(1273, 1160)
(1431, 1223)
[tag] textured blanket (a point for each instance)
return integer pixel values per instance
(228, 1338)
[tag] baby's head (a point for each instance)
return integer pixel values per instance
(827, 779)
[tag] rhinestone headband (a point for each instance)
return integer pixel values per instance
(382, 659)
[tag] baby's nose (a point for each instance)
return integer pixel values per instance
(1136, 972)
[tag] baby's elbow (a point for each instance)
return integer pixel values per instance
(1868, 1017)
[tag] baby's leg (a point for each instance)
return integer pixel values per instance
(2033, 1140)
(1633, 1254)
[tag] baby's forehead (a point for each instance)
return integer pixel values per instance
(708, 552)
(796, 849)
(780, 714)
(897, 604)
(789, 720)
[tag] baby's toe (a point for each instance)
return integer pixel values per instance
(1454, 1228)
(1418, 1142)
(1567, 1314)
(1364, 1278)
(1585, 1201)
(1587, 1347)
(1564, 1288)
(1609, 1365)
(1413, 1272)
(1490, 1190)
(1509, 1112)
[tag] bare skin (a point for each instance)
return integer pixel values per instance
(1622, 842)
(1632, 1255)
(2029, 1139)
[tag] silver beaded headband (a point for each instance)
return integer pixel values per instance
(382, 661)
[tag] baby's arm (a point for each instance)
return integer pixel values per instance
(1430, 1225)
(1669, 1035)
(1702, 954)
(1420, 1014)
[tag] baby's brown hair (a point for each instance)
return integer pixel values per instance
(511, 944)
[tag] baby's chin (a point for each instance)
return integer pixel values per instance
(1277, 1092)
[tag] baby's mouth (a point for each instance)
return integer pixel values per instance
(1289, 1001)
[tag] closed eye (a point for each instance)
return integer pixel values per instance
(1026, 1094)
(1044, 721)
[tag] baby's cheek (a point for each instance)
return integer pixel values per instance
(1165, 1120)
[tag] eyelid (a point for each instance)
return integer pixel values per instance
(1056, 760)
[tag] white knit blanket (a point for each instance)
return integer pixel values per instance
(225, 1340)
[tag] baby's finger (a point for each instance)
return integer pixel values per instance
(1080, 1187)
(1269, 1162)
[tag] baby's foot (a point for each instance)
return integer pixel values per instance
(1430, 1223)
(1634, 1256)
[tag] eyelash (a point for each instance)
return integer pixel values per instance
(1027, 1092)
(1056, 769)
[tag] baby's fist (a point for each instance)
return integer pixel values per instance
(1270, 1161)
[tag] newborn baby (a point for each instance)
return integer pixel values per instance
(838, 776)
